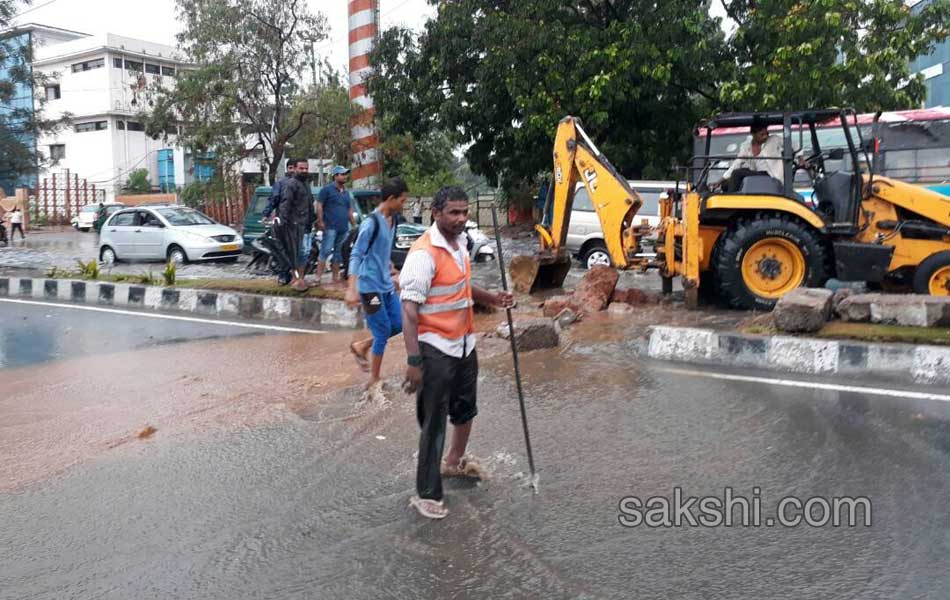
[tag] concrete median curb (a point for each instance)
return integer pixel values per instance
(909, 363)
(227, 305)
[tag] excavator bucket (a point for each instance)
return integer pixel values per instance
(541, 271)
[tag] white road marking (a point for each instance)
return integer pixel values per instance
(162, 316)
(811, 385)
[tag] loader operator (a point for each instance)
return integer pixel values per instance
(762, 155)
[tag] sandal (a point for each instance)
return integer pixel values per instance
(431, 509)
(360, 359)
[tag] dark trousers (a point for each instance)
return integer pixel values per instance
(448, 389)
(17, 227)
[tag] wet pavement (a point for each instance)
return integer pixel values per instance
(41, 251)
(37, 332)
(270, 476)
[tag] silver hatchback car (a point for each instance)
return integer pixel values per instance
(173, 233)
(585, 237)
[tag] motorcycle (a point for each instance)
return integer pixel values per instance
(3, 235)
(265, 252)
(480, 246)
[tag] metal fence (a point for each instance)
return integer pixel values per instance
(62, 195)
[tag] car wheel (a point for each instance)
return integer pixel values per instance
(107, 256)
(177, 255)
(596, 254)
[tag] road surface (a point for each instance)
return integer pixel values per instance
(269, 476)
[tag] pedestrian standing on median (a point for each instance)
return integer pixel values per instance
(283, 278)
(295, 218)
(16, 223)
(371, 278)
(438, 326)
(335, 212)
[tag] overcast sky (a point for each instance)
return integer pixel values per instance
(154, 20)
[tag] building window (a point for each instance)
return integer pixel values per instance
(135, 126)
(132, 65)
(152, 69)
(52, 92)
(91, 126)
(120, 125)
(117, 62)
(168, 71)
(89, 65)
(57, 151)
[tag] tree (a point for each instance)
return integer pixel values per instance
(792, 54)
(21, 115)
(138, 183)
(426, 165)
(498, 75)
(235, 101)
(326, 110)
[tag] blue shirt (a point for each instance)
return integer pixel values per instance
(274, 200)
(337, 207)
(371, 265)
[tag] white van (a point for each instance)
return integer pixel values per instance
(585, 238)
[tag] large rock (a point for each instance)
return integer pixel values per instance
(554, 305)
(804, 310)
(897, 309)
(595, 289)
(840, 295)
(856, 308)
(634, 297)
(911, 310)
(532, 334)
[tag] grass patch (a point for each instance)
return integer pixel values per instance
(266, 287)
(868, 332)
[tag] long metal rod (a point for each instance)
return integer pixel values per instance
(514, 346)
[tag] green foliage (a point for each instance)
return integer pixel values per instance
(145, 278)
(499, 75)
(54, 273)
(88, 270)
(169, 274)
(138, 183)
(496, 76)
(791, 54)
(326, 111)
(248, 56)
(425, 165)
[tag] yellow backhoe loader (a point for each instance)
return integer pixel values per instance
(748, 247)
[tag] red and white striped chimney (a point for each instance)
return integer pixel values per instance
(364, 28)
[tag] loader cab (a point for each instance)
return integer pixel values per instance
(834, 174)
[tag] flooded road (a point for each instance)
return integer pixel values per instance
(297, 487)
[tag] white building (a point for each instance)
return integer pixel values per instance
(103, 82)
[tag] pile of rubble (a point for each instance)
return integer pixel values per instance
(596, 292)
(806, 310)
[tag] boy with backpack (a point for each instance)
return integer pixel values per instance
(371, 278)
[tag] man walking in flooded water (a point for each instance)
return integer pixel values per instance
(438, 326)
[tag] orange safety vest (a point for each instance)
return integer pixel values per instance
(448, 309)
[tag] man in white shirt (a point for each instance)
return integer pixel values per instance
(760, 155)
(438, 326)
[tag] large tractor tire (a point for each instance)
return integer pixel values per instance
(761, 260)
(933, 275)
